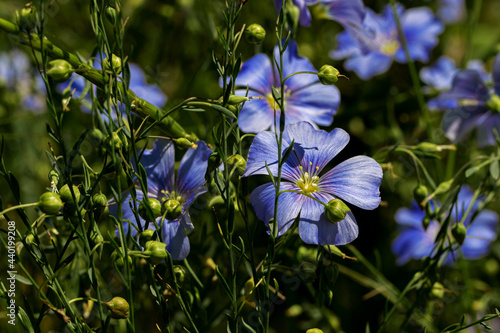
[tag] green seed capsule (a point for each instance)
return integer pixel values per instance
(255, 33)
(111, 14)
(156, 251)
(116, 64)
(50, 203)
(27, 18)
(66, 196)
(155, 206)
(238, 162)
(184, 143)
(99, 200)
(96, 136)
(420, 193)
(119, 308)
(336, 210)
(146, 236)
(328, 75)
(172, 209)
(180, 274)
(314, 330)
(113, 140)
(59, 70)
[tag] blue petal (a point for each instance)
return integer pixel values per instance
(410, 217)
(368, 65)
(289, 204)
(142, 89)
(314, 228)
(346, 47)
(349, 13)
(485, 136)
(315, 148)
(174, 235)
(356, 180)
(421, 29)
(440, 75)
(317, 104)
(480, 235)
(256, 73)
(265, 149)
(293, 63)
(159, 166)
(496, 74)
(257, 115)
(451, 11)
(407, 243)
(458, 122)
(442, 104)
(468, 85)
(191, 174)
(127, 213)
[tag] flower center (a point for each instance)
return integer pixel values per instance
(170, 196)
(308, 181)
(494, 103)
(389, 47)
(271, 100)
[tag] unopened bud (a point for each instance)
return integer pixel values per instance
(425, 222)
(146, 236)
(111, 14)
(96, 238)
(184, 143)
(30, 239)
(238, 163)
(336, 210)
(459, 232)
(420, 193)
(96, 136)
(235, 99)
(113, 140)
(50, 203)
(59, 70)
(27, 18)
(172, 209)
(180, 274)
(156, 251)
(328, 75)
(119, 308)
(314, 330)
(66, 196)
(214, 161)
(155, 206)
(117, 258)
(116, 64)
(255, 33)
(437, 290)
(248, 289)
(99, 200)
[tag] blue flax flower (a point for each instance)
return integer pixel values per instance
(478, 106)
(414, 242)
(356, 180)
(305, 97)
(163, 186)
(451, 11)
(439, 78)
(371, 52)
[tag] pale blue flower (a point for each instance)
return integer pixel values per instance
(356, 180)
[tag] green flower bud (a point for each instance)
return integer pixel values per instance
(184, 143)
(155, 206)
(59, 70)
(156, 251)
(96, 136)
(30, 239)
(113, 140)
(314, 330)
(238, 163)
(99, 200)
(96, 238)
(66, 196)
(459, 232)
(146, 236)
(420, 193)
(117, 258)
(27, 18)
(437, 290)
(180, 273)
(54, 179)
(235, 99)
(119, 308)
(425, 222)
(336, 210)
(111, 14)
(50, 203)
(116, 64)
(328, 75)
(172, 209)
(255, 33)
(248, 289)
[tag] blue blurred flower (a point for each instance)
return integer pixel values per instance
(305, 97)
(414, 242)
(479, 106)
(439, 78)
(349, 13)
(372, 51)
(162, 185)
(17, 74)
(356, 180)
(451, 11)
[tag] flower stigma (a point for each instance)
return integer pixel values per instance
(308, 181)
(389, 47)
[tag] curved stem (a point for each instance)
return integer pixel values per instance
(17, 207)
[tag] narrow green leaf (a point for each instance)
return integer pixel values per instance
(25, 320)
(23, 280)
(247, 327)
(462, 321)
(470, 171)
(451, 328)
(287, 153)
(277, 96)
(367, 329)
(495, 169)
(224, 283)
(223, 111)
